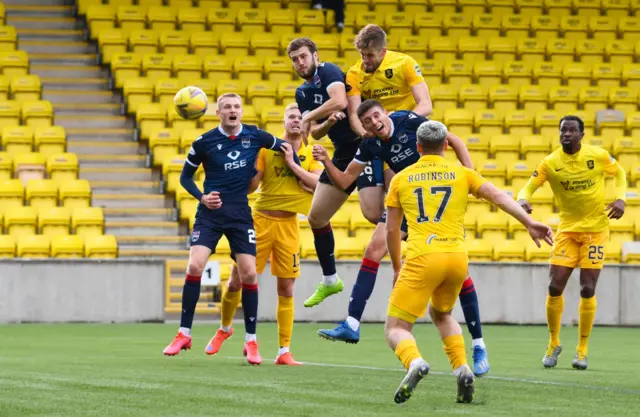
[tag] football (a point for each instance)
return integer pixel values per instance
(191, 103)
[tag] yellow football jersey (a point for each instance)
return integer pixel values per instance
(279, 189)
(390, 84)
(433, 194)
(577, 181)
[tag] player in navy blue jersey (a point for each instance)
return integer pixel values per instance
(322, 99)
(395, 144)
(228, 154)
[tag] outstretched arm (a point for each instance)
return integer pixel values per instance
(537, 179)
(460, 149)
(340, 179)
(337, 102)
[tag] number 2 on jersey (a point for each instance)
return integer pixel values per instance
(419, 192)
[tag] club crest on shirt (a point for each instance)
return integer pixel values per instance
(590, 164)
(388, 73)
(302, 158)
(246, 143)
(535, 173)
(403, 138)
(195, 236)
(316, 81)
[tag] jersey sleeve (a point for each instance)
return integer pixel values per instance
(261, 161)
(300, 101)
(474, 180)
(412, 73)
(537, 179)
(415, 120)
(353, 85)
(613, 168)
(363, 154)
(393, 195)
(331, 75)
(195, 156)
(609, 163)
(267, 140)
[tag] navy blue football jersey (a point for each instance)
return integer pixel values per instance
(229, 162)
(310, 96)
(400, 149)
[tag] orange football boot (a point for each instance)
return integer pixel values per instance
(181, 342)
(251, 353)
(216, 341)
(287, 359)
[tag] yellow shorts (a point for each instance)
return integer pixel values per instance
(433, 276)
(585, 249)
(279, 239)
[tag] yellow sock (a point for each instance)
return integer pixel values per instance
(454, 348)
(407, 351)
(587, 311)
(230, 302)
(555, 306)
(285, 320)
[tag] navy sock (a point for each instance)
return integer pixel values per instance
(325, 245)
(363, 288)
(469, 303)
(250, 307)
(190, 296)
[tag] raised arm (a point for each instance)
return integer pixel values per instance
(413, 77)
(309, 179)
(460, 149)
(320, 130)
(339, 178)
(337, 102)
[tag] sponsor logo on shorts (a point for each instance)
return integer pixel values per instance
(195, 235)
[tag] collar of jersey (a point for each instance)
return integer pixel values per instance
(221, 130)
(366, 74)
(431, 158)
(314, 75)
(393, 129)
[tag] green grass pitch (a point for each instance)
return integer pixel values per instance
(119, 370)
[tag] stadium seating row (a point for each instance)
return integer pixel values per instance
(58, 246)
(14, 63)
(51, 220)
(40, 193)
(47, 140)
(21, 88)
(59, 167)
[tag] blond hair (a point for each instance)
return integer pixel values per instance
(371, 36)
(291, 106)
(227, 95)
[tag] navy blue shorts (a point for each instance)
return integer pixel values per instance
(403, 225)
(372, 176)
(233, 220)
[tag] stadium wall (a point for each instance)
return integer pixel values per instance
(81, 290)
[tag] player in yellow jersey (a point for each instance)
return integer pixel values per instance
(275, 214)
(394, 80)
(576, 174)
(432, 196)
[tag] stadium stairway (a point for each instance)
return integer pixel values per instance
(122, 182)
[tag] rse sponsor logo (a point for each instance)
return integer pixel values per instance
(401, 156)
(235, 165)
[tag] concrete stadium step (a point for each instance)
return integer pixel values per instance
(99, 135)
(70, 71)
(113, 161)
(126, 187)
(58, 46)
(96, 122)
(50, 22)
(119, 174)
(70, 83)
(130, 201)
(135, 227)
(111, 148)
(30, 10)
(81, 96)
(141, 214)
(152, 242)
(68, 59)
(94, 109)
(51, 34)
(154, 254)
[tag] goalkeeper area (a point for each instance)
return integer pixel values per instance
(119, 370)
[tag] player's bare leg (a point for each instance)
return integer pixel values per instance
(451, 335)
(229, 304)
(372, 203)
(327, 200)
(587, 313)
(285, 313)
(397, 332)
(198, 256)
(249, 278)
(554, 306)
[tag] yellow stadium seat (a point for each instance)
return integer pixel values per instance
(277, 69)
(385, 6)
(613, 253)
(234, 45)
(174, 43)
(516, 26)
(161, 18)
(478, 146)
(531, 50)
(248, 68)
(589, 119)
(486, 26)
(518, 122)
(508, 251)
(634, 175)
(37, 113)
(545, 27)
(286, 91)
(622, 229)
(416, 46)
(310, 22)
(619, 52)
(233, 86)
(606, 75)
(87, 221)
(25, 88)
(501, 50)
(20, 221)
(191, 19)
(100, 17)
(547, 74)
(131, 18)
(459, 121)
(7, 246)
(103, 246)
(603, 28)
(488, 122)
(218, 67)
(629, 27)
(266, 44)
(187, 67)
(501, 7)
(261, 94)
(432, 72)
(442, 49)
(177, 123)
(67, 247)
(11, 194)
(137, 91)
(348, 49)
(409, 6)
(563, 99)
(473, 97)
(204, 43)
(8, 38)
(4, 88)
(42, 193)
(480, 250)
(590, 51)
(470, 225)
(75, 194)
(222, 20)
(487, 73)
(54, 221)
(124, 67)
(617, 8)
(458, 72)
(162, 143)
(150, 116)
(268, 4)
(533, 98)
(633, 124)
(547, 121)
(398, 24)
(444, 97)
(519, 172)
(472, 48)
(630, 75)
(14, 63)
(252, 21)
(574, 27)
(172, 166)
(111, 41)
(457, 25)
(576, 74)
(558, 8)
(624, 99)
(561, 51)
(494, 170)
(365, 18)
(587, 8)
(626, 150)
(281, 22)
(271, 120)
(503, 97)
(29, 166)
(428, 25)
(33, 246)
(535, 254)
(62, 167)
(165, 90)
(141, 42)
(17, 139)
(505, 148)
(443, 6)
(593, 99)
(605, 142)
(6, 166)
(350, 248)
